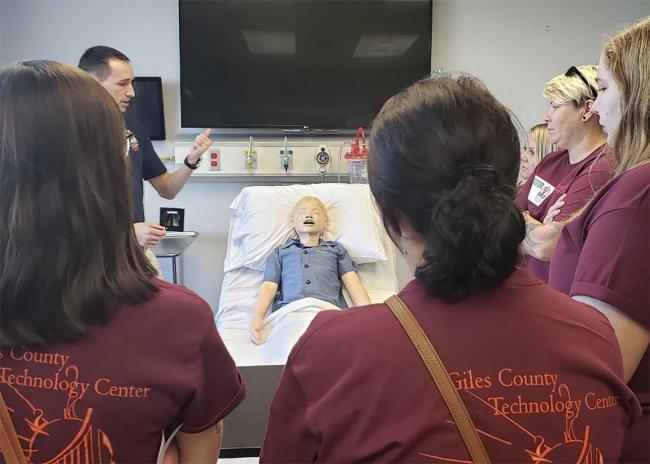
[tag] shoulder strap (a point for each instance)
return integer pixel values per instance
(165, 442)
(9, 444)
(441, 378)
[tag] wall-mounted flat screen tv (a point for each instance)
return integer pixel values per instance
(301, 64)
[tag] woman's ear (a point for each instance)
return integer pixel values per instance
(589, 112)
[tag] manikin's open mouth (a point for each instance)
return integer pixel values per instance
(309, 221)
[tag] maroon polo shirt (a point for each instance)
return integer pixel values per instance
(555, 176)
(605, 254)
(107, 397)
(539, 373)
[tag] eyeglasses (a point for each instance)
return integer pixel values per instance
(573, 71)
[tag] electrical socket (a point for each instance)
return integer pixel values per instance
(214, 160)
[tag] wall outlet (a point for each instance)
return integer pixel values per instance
(250, 161)
(214, 160)
(286, 161)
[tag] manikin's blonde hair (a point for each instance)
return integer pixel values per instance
(627, 55)
(305, 200)
(572, 89)
(543, 145)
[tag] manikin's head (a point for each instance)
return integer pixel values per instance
(309, 216)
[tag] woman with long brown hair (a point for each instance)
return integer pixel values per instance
(97, 356)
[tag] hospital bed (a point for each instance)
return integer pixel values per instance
(260, 221)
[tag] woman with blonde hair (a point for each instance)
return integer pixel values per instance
(571, 175)
(603, 256)
(536, 147)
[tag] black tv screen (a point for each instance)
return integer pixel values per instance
(316, 64)
(147, 106)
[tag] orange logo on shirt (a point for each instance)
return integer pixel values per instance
(559, 401)
(86, 443)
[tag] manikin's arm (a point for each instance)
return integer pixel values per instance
(633, 338)
(355, 289)
(268, 291)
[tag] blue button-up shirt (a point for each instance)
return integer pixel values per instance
(303, 272)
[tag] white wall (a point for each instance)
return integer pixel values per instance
(505, 43)
(516, 46)
(146, 30)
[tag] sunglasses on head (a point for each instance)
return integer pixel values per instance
(573, 71)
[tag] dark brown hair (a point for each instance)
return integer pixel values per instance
(96, 59)
(444, 155)
(67, 248)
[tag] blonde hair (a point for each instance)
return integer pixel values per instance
(572, 89)
(305, 200)
(543, 145)
(628, 58)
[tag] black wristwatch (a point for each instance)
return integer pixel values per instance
(190, 165)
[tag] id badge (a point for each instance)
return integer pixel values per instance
(539, 191)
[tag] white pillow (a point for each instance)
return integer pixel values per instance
(260, 221)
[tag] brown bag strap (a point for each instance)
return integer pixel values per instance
(441, 378)
(9, 444)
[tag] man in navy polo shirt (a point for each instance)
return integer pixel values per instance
(307, 267)
(113, 70)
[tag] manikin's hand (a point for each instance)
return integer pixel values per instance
(255, 329)
(148, 233)
(201, 143)
(554, 210)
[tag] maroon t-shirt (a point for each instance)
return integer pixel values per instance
(539, 373)
(107, 397)
(605, 254)
(555, 176)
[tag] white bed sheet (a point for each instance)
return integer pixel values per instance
(238, 299)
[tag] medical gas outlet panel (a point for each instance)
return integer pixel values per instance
(268, 158)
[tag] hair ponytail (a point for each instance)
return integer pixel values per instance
(472, 242)
(444, 156)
